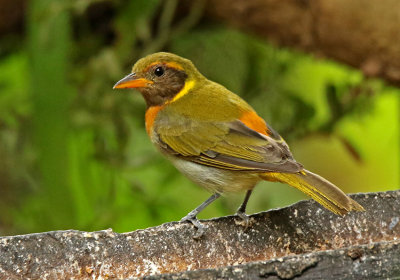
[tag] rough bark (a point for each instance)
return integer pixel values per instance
(375, 261)
(363, 34)
(302, 241)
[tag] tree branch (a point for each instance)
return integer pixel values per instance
(362, 34)
(302, 240)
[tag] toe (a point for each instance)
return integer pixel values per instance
(245, 219)
(199, 226)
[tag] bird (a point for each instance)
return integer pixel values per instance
(216, 139)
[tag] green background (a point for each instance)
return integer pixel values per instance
(75, 154)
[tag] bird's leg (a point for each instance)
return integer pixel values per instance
(241, 212)
(192, 215)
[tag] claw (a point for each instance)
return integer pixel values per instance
(245, 219)
(241, 212)
(191, 217)
(199, 226)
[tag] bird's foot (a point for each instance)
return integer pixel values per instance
(246, 221)
(199, 226)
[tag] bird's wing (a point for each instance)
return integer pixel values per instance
(229, 145)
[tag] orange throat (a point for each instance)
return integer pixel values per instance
(151, 114)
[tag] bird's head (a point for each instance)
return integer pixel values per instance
(160, 77)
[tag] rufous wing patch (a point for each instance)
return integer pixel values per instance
(255, 122)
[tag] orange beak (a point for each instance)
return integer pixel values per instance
(132, 81)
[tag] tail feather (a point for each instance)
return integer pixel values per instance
(320, 189)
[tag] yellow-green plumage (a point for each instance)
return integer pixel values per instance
(216, 139)
(320, 189)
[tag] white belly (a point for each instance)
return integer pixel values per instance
(215, 179)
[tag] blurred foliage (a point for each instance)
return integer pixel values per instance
(75, 153)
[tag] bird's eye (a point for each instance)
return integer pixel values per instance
(159, 71)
